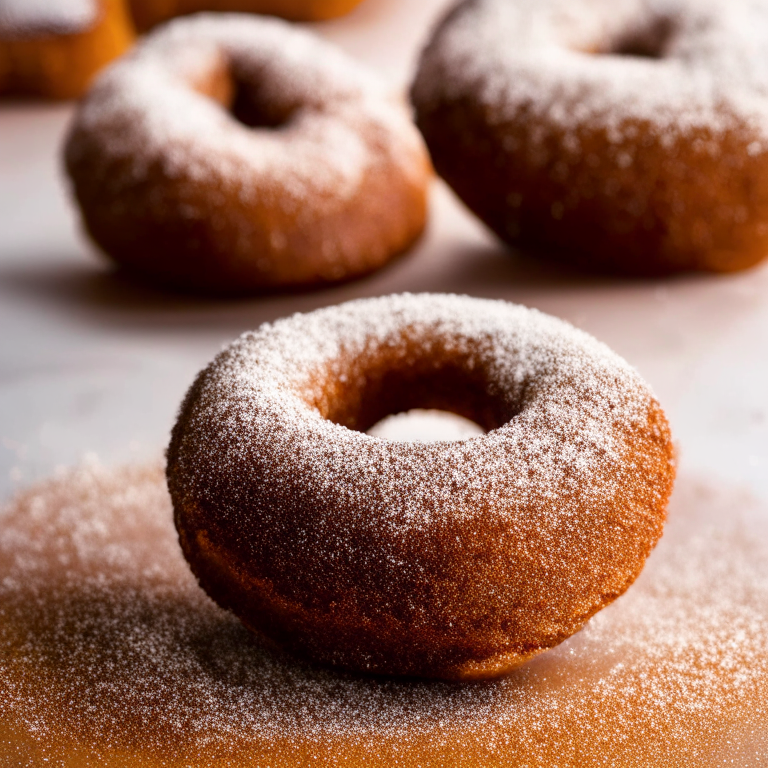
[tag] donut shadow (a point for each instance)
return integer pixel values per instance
(495, 270)
(35, 104)
(97, 292)
(82, 284)
(500, 268)
(110, 296)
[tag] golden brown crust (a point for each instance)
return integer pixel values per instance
(62, 66)
(202, 256)
(450, 560)
(699, 215)
(281, 164)
(148, 13)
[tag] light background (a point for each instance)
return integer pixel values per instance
(93, 364)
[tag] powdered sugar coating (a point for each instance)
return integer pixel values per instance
(710, 73)
(110, 652)
(271, 373)
(148, 113)
(30, 18)
(459, 557)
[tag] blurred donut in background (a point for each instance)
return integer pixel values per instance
(619, 135)
(53, 48)
(236, 154)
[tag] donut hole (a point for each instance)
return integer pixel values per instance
(249, 107)
(364, 392)
(651, 41)
(425, 426)
(245, 96)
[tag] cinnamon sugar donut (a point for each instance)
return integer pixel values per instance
(455, 560)
(147, 13)
(53, 48)
(237, 154)
(623, 135)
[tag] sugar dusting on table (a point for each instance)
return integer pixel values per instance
(106, 641)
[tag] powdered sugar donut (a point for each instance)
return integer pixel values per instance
(627, 135)
(53, 48)
(150, 12)
(235, 154)
(458, 559)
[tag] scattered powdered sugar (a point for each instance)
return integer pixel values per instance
(29, 18)
(550, 60)
(111, 655)
(149, 112)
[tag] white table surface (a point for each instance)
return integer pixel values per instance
(93, 364)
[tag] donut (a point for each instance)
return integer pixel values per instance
(147, 13)
(235, 154)
(454, 560)
(53, 49)
(615, 135)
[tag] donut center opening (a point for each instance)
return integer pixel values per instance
(245, 96)
(649, 42)
(389, 390)
(420, 425)
(248, 106)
